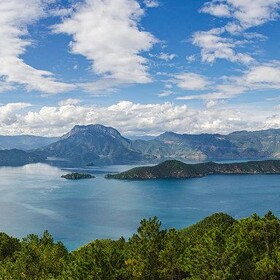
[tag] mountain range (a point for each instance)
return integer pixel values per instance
(25, 142)
(99, 144)
(105, 145)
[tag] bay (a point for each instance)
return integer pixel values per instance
(34, 198)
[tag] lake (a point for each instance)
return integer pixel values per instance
(34, 198)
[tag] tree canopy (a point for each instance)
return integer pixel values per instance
(219, 247)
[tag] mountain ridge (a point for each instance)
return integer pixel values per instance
(105, 145)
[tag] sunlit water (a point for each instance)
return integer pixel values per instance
(34, 198)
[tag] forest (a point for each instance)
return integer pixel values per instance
(218, 247)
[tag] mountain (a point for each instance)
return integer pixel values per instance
(97, 144)
(234, 146)
(173, 169)
(16, 157)
(25, 142)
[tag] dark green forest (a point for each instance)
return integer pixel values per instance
(218, 247)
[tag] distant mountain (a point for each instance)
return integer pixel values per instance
(95, 144)
(173, 169)
(16, 157)
(235, 146)
(105, 145)
(145, 138)
(25, 142)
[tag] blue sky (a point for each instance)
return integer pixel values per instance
(143, 67)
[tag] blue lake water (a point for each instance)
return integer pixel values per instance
(34, 198)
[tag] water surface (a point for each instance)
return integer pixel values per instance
(34, 198)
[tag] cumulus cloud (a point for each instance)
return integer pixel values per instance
(259, 77)
(220, 43)
(246, 13)
(8, 112)
(215, 9)
(132, 118)
(108, 34)
(15, 17)
(214, 46)
(190, 81)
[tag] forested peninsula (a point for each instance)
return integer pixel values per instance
(218, 247)
(174, 169)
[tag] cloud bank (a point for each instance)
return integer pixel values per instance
(132, 118)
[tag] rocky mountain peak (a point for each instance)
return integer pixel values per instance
(91, 130)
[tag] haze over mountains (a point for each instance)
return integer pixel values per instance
(25, 142)
(105, 145)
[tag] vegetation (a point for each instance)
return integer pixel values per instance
(174, 169)
(16, 157)
(77, 176)
(219, 247)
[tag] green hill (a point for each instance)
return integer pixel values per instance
(174, 169)
(218, 247)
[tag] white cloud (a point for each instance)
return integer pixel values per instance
(168, 86)
(260, 77)
(212, 103)
(15, 17)
(190, 81)
(220, 43)
(4, 86)
(108, 34)
(190, 58)
(218, 10)
(247, 13)
(134, 118)
(272, 121)
(165, 93)
(167, 57)
(266, 76)
(8, 112)
(151, 3)
(69, 101)
(214, 46)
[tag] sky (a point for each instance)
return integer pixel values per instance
(141, 66)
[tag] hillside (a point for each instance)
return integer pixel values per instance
(218, 247)
(16, 157)
(234, 146)
(173, 169)
(97, 144)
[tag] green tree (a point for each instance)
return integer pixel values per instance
(144, 249)
(39, 258)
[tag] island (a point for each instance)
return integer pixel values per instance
(174, 169)
(77, 176)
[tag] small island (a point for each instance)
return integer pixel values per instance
(90, 164)
(77, 176)
(174, 169)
